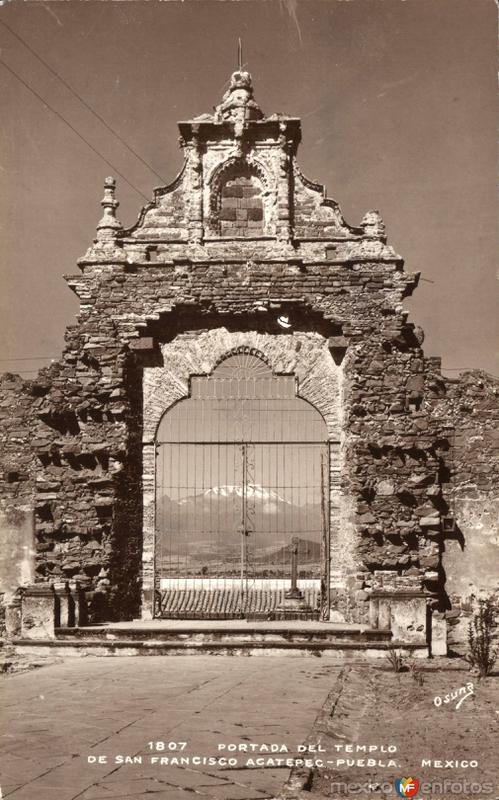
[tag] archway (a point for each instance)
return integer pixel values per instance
(242, 477)
(241, 199)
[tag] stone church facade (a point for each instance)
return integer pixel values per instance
(241, 290)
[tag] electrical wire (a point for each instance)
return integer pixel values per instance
(30, 358)
(83, 101)
(58, 356)
(58, 114)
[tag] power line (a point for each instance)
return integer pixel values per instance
(82, 100)
(58, 356)
(30, 358)
(469, 369)
(58, 114)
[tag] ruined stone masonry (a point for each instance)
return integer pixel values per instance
(238, 243)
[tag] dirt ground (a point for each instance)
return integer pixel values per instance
(453, 744)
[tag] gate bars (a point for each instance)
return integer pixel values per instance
(242, 467)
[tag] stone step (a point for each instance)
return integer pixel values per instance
(188, 637)
(235, 637)
(231, 631)
(341, 649)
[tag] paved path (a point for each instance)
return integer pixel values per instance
(54, 718)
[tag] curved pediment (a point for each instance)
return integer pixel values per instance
(315, 214)
(165, 216)
(240, 192)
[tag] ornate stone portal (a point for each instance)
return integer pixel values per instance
(241, 254)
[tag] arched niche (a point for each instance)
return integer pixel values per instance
(240, 199)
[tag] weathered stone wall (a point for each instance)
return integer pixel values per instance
(167, 296)
(470, 407)
(88, 430)
(77, 470)
(18, 399)
(73, 445)
(415, 448)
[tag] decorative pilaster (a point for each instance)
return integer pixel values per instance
(196, 229)
(148, 493)
(284, 232)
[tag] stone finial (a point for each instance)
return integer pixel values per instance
(373, 225)
(109, 224)
(237, 103)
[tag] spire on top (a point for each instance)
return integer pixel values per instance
(109, 224)
(239, 54)
(237, 103)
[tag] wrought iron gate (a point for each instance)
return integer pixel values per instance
(241, 470)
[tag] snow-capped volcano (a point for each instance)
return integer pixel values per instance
(214, 514)
(253, 491)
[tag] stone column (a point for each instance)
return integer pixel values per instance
(66, 606)
(80, 603)
(438, 634)
(293, 592)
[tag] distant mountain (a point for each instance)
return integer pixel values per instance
(254, 493)
(212, 519)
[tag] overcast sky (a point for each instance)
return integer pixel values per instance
(398, 108)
